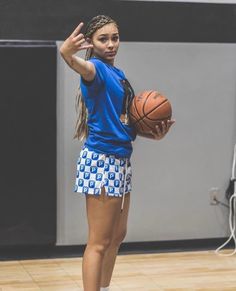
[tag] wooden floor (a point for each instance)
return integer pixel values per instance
(167, 271)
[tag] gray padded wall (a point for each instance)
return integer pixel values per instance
(171, 177)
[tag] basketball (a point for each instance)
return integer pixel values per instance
(147, 110)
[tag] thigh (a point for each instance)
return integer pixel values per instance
(103, 213)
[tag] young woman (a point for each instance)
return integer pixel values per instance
(103, 168)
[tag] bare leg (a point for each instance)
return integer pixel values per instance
(102, 213)
(108, 265)
(118, 237)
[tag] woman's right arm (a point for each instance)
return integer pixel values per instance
(70, 47)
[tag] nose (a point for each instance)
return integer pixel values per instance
(110, 44)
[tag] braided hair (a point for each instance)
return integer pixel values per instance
(81, 128)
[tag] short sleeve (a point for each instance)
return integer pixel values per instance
(99, 76)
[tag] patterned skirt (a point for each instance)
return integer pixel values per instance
(95, 170)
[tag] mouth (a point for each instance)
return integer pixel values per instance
(110, 53)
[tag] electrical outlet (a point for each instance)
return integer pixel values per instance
(214, 195)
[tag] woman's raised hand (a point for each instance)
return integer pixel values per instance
(75, 42)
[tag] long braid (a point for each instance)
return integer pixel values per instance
(81, 128)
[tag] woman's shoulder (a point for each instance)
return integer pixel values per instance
(105, 67)
(97, 61)
(101, 62)
(100, 66)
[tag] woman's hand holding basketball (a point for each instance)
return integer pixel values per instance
(75, 42)
(162, 130)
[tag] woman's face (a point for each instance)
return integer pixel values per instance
(105, 42)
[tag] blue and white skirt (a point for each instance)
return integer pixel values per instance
(95, 170)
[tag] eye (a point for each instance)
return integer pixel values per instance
(115, 38)
(103, 39)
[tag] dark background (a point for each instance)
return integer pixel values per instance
(138, 21)
(28, 143)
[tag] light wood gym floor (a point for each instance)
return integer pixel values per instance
(201, 270)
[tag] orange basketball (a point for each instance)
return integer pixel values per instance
(148, 109)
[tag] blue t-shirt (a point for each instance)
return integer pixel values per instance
(104, 98)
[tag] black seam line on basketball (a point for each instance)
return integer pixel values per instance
(166, 118)
(163, 103)
(140, 125)
(147, 125)
(134, 116)
(158, 119)
(136, 110)
(132, 113)
(146, 101)
(140, 117)
(151, 112)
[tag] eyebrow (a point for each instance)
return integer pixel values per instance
(105, 34)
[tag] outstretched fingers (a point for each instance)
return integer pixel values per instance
(77, 30)
(78, 39)
(81, 41)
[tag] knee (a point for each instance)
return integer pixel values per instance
(99, 247)
(119, 237)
